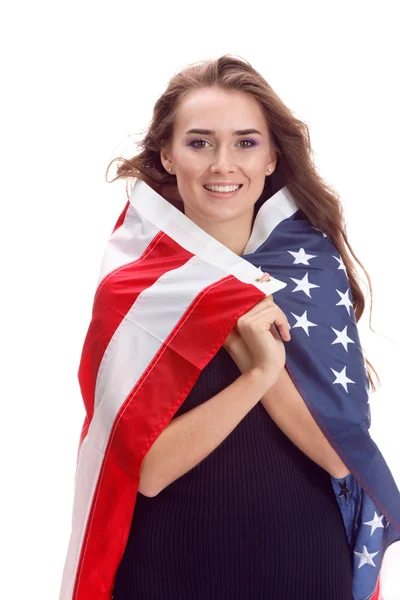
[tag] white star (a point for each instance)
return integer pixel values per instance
(303, 322)
(303, 285)
(365, 557)
(301, 258)
(342, 378)
(324, 234)
(341, 263)
(375, 523)
(345, 300)
(342, 338)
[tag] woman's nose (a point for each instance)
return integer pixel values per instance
(223, 162)
(223, 167)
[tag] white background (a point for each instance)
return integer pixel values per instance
(79, 84)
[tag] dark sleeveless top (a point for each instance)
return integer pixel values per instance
(255, 520)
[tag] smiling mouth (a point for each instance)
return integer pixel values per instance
(238, 188)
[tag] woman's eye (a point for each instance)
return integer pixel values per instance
(195, 142)
(250, 141)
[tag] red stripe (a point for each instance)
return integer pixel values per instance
(115, 296)
(377, 595)
(145, 413)
(121, 217)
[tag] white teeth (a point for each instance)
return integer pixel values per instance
(220, 188)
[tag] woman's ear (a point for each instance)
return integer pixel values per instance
(165, 158)
(271, 167)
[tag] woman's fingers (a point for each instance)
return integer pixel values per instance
(265, 277)
(273, 315)
(282, 324)
(266, 312)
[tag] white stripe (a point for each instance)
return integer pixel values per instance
(275, 210)
(87, 472)
(127, 243)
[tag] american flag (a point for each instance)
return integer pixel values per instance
(168, 295)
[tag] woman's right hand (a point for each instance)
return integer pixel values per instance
(258, 329)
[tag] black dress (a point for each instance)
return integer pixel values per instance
(256, 519)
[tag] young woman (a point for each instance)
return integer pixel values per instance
(228, 505)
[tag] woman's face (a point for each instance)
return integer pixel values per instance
(221, 155)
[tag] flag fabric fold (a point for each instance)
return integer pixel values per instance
(167, 297)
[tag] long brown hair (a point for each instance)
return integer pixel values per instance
(289, 138)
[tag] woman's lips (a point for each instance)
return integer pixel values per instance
(222, 194)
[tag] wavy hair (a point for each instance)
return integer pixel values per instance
(289, 138)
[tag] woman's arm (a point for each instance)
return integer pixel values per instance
(287, 408)
(192, 436)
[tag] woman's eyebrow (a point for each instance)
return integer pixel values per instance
(210, 132)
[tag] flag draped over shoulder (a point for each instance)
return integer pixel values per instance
(167, 297)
